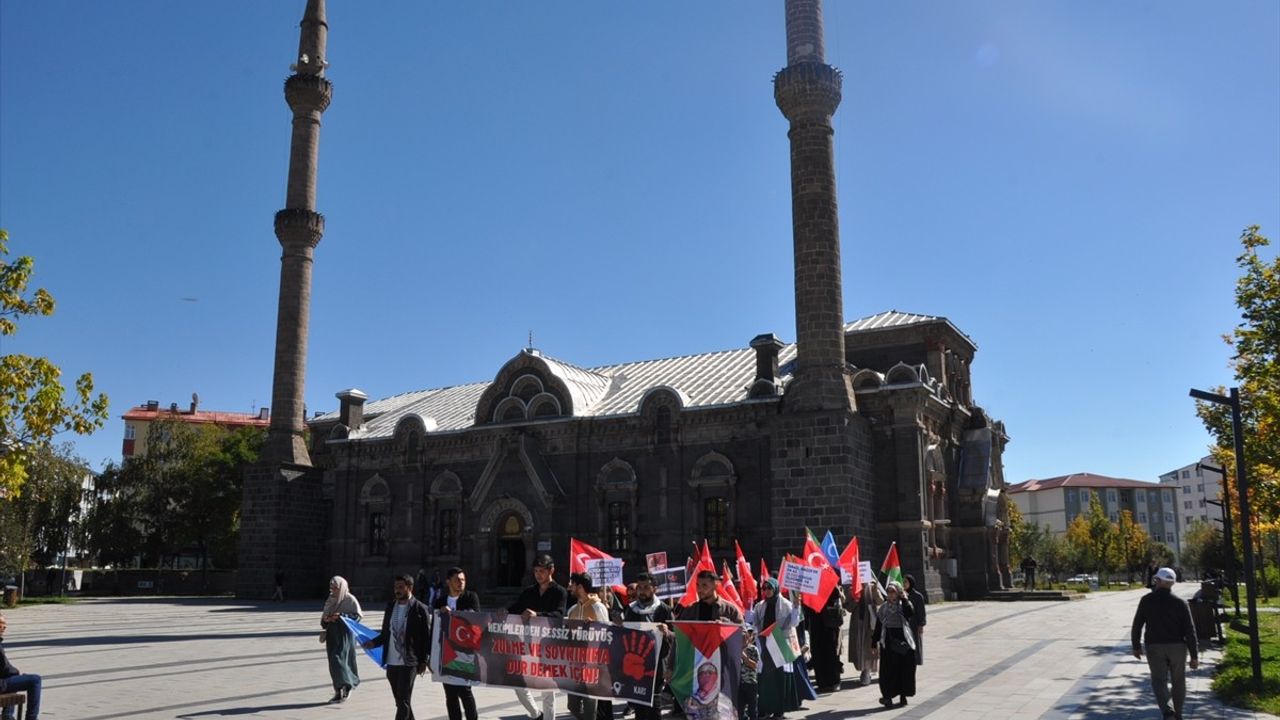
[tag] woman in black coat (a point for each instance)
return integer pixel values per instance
(897, 647)
(457, 694)
(918, 618)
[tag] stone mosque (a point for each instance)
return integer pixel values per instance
(867, 428)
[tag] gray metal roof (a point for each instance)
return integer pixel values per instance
(896, 319)
(701, 381)
(889, 319)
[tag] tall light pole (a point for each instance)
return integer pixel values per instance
(1227, 532)
(1246, 533)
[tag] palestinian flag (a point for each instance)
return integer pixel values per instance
(780, 647)
(708, 660)
(460, 647)
(891, 568)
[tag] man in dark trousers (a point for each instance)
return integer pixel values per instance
(1171, 636)
(547, 599)
(404, 639)
(13, 681)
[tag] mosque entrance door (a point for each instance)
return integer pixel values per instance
(511, 552)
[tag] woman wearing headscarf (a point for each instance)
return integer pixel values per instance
(863, 651)
(824, 640)
(777, 685)
(339, 644)
(897, 647)
(916, 598)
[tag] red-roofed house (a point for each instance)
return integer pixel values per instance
(138, 419)
(1055, 502)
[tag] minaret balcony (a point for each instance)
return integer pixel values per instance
(807, 91)
(308, 93)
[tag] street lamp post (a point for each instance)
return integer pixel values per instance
(1246, 533)
(1227, 532)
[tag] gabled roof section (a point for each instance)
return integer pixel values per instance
(1081, 480)
(702, 381)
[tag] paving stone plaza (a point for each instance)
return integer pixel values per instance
(218, 658)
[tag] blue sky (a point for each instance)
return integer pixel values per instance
(1064, 181)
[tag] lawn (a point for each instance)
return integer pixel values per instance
(1233, 677)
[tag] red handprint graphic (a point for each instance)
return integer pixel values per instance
(638, 648)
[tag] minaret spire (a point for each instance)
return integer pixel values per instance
(298, 228)
(807, 92)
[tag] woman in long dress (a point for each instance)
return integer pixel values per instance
(777, 685)
(897, 647)
(339, 644)
(863, 651)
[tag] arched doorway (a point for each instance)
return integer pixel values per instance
(511, 551)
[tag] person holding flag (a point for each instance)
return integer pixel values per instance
(775, 620)
(458, 700)
(897, 646)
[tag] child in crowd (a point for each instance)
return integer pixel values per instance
(748, 688)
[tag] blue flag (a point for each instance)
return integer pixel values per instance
(362, 635)
(831, 551)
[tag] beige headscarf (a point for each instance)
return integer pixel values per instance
(341, 600)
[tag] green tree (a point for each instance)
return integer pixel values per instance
(1202, 548)
(182, 496)
(1133, 544)
(37, 526)
(1256, 364)
(33, 400)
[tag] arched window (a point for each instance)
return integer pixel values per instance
(619, 526)
(377, 533)
(447, 526)
(715, 522)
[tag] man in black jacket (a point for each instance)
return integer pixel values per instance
(458, 700)
(404, 639)
(1171, 635)
(13, 681)
(546, 598)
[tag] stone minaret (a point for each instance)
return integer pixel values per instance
(807, 91)
(821, 448)
(298, 227)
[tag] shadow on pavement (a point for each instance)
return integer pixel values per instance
(253, 710)
(84, 641)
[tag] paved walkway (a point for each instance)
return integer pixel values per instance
(161, 658)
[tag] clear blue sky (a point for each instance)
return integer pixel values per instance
(1065, 181)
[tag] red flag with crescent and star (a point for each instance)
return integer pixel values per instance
(748, 588)
(829, 578)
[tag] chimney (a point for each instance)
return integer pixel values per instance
(767, 347)
(351, 408)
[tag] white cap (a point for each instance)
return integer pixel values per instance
(1167, 575)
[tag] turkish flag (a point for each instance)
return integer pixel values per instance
(829, 578)
(750, 591)
(704, 562)
(580, 553)
(730, 592)
(764, 571)
(849, 562)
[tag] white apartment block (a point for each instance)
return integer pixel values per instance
(1055, 502)
(1194, 486)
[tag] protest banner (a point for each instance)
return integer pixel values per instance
(800, 578)
(656, 561)
(670, 582)
(707, 667)
(608, 662)
(604, 571)
(865, 572)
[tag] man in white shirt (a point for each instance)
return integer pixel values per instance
(404, 638)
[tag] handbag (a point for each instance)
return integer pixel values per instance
(898, 646)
